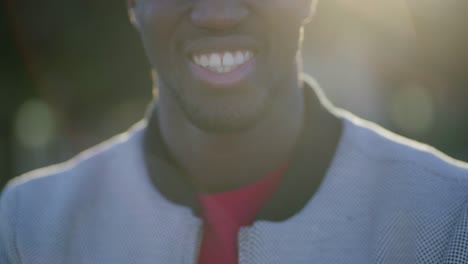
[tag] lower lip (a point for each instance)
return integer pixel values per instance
(224, 80)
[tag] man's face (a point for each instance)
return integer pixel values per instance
(224, 62)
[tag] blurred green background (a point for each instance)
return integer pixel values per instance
(73, 73)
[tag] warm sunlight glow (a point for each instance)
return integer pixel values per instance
(394, 16)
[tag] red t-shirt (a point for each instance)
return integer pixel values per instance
(224, 213)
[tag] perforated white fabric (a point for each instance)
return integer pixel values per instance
(383, 200)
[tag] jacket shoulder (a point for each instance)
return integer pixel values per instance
(67, 181)
(405, 174)
(82, 164)
(384, 146)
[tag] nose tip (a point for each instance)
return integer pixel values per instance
(218, 14)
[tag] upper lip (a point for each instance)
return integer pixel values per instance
(219, 44)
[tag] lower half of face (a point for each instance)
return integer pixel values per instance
(230, 108)
(226, 83)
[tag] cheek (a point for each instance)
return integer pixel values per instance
(157, 22)
(284, 13)
(284, 24)
(160, 15)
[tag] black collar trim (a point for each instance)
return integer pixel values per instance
(309, 164)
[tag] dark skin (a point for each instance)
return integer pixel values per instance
(230, 135)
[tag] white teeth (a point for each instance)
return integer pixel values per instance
(222, 62)
(239, 59)
(228, 59)
(204, 61)
(247, 55)
(215, 60)
(196, 59)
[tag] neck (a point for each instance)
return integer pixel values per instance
(221, 162)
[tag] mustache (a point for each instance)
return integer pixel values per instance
(230, 42)
(245, 32)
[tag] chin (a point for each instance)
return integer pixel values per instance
(224, 123)
(226, 114)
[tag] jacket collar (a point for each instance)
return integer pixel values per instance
(308, 166)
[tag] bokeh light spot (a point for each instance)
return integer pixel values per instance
(412, 109)
(35, 125)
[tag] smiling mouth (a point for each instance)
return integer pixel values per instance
(224, 61)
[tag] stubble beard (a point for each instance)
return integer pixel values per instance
(226, 116)
(223, 114)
